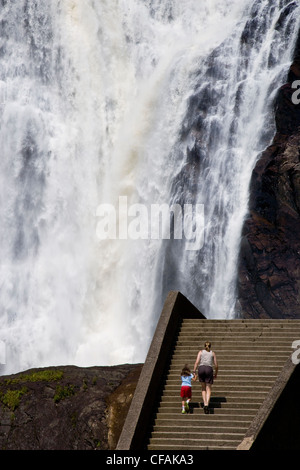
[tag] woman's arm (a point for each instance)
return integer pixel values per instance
(216, 365)
(197, 361)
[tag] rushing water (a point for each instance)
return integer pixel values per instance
(154, 102)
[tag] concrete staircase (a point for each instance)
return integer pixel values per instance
(250, 353)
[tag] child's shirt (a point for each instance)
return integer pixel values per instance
(186, 380)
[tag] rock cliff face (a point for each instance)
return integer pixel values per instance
(269, 270)
(65, 408)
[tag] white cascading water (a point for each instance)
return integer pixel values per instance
(159, 102)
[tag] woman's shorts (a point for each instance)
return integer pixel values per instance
(186, 391)
(206, 374)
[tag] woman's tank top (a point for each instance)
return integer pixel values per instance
(206, 358)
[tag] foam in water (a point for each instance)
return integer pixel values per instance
(98, 101)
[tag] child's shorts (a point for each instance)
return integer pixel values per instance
(186, 391)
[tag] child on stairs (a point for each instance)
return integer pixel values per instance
(186, 387)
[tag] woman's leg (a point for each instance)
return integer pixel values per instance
(208, 393)
(203, 384)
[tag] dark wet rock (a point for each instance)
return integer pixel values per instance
(65, 408)
(269, 269)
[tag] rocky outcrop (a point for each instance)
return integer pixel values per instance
(65, 408)
(269, 269)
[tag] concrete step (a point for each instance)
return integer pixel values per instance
(202, 329)
(209, 328)
(229, 419)
(208, 440)
(270, 342)
(239, 348)
(225, 343)
(260, 331)
(242, 324)
(192, 435)
(237, 402)
(172, 390)
(233, 327)
(254, 362)
(223, 355)
(234, 380)
(218, 391)
(233, 373)
(231, 412)
(237, 366)
(231, 446)
(235, 405)
(213, 422)
(239, 359)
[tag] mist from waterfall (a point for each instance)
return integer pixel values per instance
(156, 102)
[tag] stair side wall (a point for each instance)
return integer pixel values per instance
(148, 390)
(281, 430)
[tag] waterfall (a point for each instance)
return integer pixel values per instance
(229, 121)
(148, 102)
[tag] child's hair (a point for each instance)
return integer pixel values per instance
(186, 370)
(207, 345)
